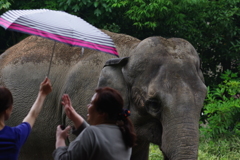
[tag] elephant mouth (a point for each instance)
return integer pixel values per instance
(154, 130)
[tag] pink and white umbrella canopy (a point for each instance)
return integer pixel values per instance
(59, 26)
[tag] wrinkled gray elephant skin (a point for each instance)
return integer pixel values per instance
(160, 81)
(163, 87)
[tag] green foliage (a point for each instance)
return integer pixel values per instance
(155, 153)
(147, 13)
(222, 108)
(112, 27)
(98, 13)
(35, 4)
(221, 149)
(4, 5)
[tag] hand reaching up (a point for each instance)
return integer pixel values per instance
(70, 111)
(45, 87)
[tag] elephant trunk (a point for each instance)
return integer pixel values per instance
(180, 140)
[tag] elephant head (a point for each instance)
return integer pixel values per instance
(163, 86)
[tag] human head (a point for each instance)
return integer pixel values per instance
(110, 101)
(6, 99)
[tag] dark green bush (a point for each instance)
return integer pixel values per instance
(222, 108)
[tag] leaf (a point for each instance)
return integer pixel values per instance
(68, 2)
(76, 8)
(104, 5)
(97, 12)
(96, 3)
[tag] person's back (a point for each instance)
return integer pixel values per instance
(111, 145)
(11, 140)
(103, 141)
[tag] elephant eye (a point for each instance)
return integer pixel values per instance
(152, 106)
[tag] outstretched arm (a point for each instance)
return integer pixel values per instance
(45, 89)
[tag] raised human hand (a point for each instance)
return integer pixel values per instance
(69, 110)
(45, 86)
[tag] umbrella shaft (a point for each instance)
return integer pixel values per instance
(51, 59)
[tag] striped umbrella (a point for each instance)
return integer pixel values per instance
(59, 26)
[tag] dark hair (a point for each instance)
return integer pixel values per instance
(6, 99)
(110, 101)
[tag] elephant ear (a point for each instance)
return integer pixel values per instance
(112, 76)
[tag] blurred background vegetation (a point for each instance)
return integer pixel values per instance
(211, 26)
(221, 149)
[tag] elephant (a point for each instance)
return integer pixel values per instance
(163, 86)
(160, 80)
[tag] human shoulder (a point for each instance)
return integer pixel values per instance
(102, 126)
(20, 131)
(98, 130)
(92, 130)
(23, 126)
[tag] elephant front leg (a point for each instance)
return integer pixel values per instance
(140, 151)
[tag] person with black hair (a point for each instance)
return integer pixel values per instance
(110, 135)
(12, 138)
